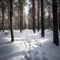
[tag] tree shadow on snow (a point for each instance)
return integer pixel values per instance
(3, 40)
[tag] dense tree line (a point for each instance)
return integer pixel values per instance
(42, 13)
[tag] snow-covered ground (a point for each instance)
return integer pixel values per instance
(28, 46)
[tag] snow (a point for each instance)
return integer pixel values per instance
(28, 46)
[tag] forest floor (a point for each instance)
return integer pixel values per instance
(28, 46)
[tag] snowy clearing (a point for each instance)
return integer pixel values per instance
(28, 46)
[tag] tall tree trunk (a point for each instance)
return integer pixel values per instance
(3, 15)
(18, 16)
(49, 18)
(33, 14)
(59, 15)
(22, 17)
(11, 14)
(42, 19)
(8, 14)
(38, 15)
(55, 23)
(21, 14)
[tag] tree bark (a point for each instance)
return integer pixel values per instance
(33, 14)
(55, 23)
(3, 15)
(42, 19)
(11, 14)
(49, 18)
(18, 17)
(38, 15)
(21, 14)
(59, 14)
(8, 15)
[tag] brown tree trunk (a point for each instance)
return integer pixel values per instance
(38, 13)
(49, 18)
(8, 15)
(3, 15)
(21, 14)
(33, 14)
(18, 17)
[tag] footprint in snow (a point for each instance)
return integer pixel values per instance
(27, 56)
(43, 53)
(29, 51)
(40, 45)
(37, 58)
(57, 52)
(45, 58)
(36, 53)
